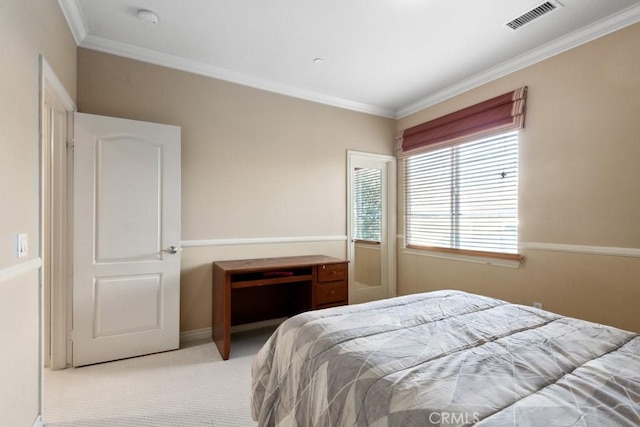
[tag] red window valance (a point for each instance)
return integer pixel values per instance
(500, 114)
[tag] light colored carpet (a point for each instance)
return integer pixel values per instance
(192, 386)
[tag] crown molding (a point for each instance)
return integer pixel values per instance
(594, 31)
(77, 24)
(175, 62)
(196, 67)
(75, 19)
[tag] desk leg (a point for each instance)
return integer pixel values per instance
(221, 312)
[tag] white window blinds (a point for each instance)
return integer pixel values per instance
(464, 196)
(368, 204)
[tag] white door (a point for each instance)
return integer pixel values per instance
(371, 217)
(126, 262)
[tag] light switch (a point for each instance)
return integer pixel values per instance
(23, 245)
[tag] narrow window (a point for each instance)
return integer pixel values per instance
(368, 204)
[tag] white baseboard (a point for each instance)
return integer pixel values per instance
(257, 325)
(204, 334)
(196, 335)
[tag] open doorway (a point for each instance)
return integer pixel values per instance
(371, 226)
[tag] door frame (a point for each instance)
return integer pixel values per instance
(389, 228)
(55, 232)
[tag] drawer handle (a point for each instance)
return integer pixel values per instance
(333, 292)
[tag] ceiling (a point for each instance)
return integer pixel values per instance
(384, 57)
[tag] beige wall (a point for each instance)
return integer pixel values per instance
(579, 185)
(257, 164)
(27, 29)
(254, 164)
(262, 165)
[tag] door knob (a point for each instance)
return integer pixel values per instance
(171, 250)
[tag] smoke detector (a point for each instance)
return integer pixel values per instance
(147, 16)
(535, 13)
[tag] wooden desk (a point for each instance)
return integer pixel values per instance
(252, 290)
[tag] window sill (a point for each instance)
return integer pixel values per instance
(500, 262)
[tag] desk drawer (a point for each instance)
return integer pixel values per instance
(332, 272)
(330, 293)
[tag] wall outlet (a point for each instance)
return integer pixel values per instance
(537, 304)
(23, 245)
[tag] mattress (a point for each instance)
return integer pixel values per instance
(445, 358)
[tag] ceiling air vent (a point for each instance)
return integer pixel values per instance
(533, 14)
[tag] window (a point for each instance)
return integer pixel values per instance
(368, 204)
(464, 196)
(461, 179)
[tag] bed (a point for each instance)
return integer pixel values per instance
(445, 358)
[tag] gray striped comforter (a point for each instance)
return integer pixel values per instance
(446, 358)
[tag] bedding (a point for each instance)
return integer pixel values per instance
(445, 358)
